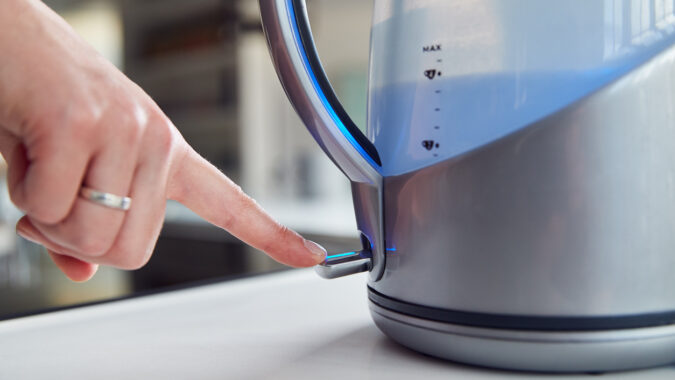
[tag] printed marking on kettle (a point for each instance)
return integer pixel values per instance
(433, 73)
(430, 144)
(431, 48)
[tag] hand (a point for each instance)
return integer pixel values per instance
(69, 118)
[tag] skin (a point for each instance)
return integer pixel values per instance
(69, 118)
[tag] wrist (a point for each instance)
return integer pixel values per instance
(17, 18)
(12, 8)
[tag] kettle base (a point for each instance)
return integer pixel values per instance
(541, 351)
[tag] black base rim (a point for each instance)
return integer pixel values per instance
(523, 322)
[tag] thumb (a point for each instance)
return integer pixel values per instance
(201, 187)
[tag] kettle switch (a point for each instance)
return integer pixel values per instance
(343, 264)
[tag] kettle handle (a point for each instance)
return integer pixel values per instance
(297, 63)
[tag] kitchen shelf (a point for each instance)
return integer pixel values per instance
(184, 55)
(179, 64)
(209, 116)
(157, 13)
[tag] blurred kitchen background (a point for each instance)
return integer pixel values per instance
(205, 62)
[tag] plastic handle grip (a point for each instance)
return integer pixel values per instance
(297, 64)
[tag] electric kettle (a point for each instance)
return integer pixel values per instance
(515, 191)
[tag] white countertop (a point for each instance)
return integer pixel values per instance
(290, 325)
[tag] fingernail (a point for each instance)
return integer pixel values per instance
(28, 236)
(316, 249)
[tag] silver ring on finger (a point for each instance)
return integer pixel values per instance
(105, 199)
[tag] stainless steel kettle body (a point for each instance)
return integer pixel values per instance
(550, 248)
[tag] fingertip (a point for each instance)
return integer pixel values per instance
(26, 230)
(76, 270)
(23, 224)
(316, 252)
(46, 211)
(304, 255)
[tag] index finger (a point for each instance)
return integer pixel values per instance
(201, 187)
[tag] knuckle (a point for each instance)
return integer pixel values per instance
(279, 238)
(132, 260)
(46, 215)
(130, 134)
(33, 202)
(154, 113)
(42, 210)
(129, 129)
(131, 254)
(71, 122)
(92, 246)
(240, 194)
(41, 207)
(228, 222)
(163, 135)
(282, 234)
(80, 125)
(164, 140)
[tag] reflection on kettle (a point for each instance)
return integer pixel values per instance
(515, 189)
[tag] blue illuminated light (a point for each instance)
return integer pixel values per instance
(322, 96)
(329, 257)
(391, 249)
